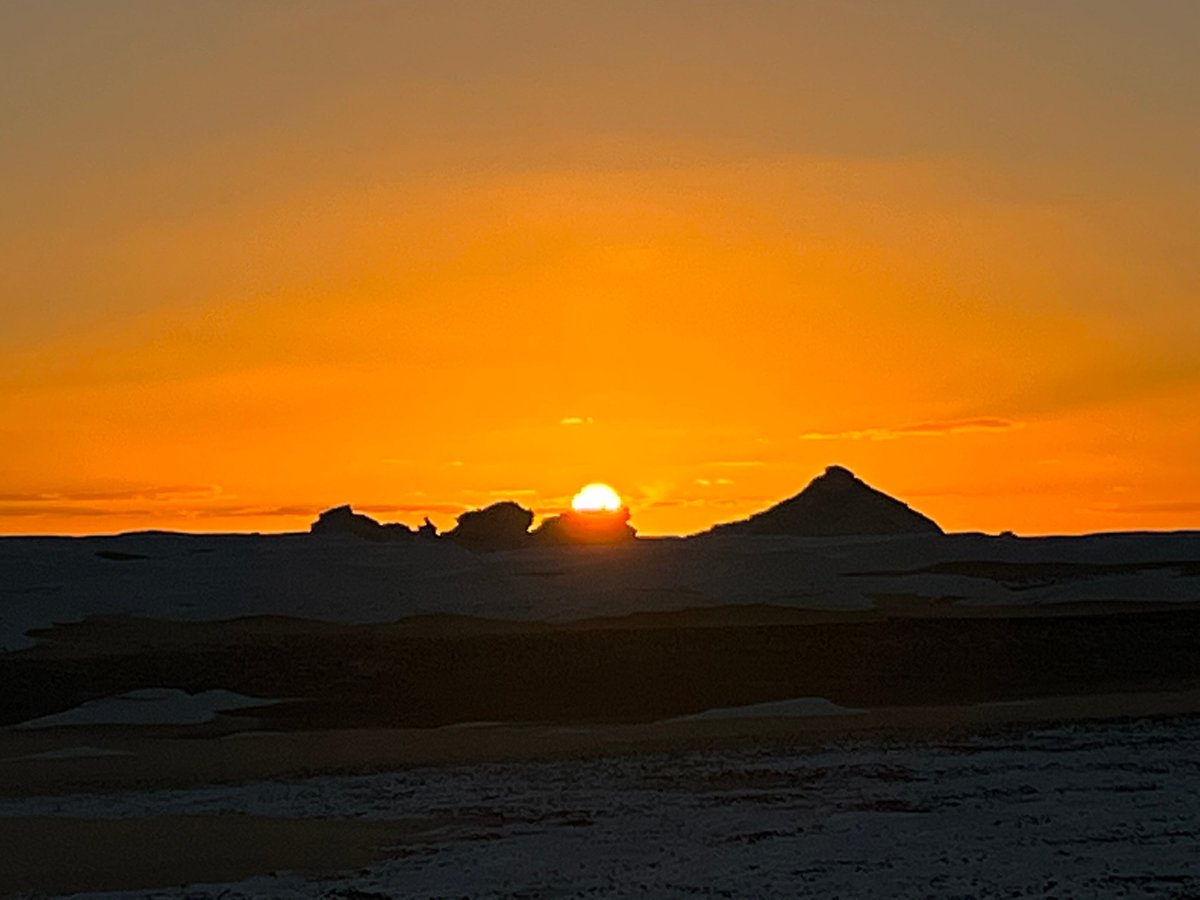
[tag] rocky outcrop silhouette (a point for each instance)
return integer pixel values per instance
(501, 526)
(834, 504)
(344, 520)
(586, 527)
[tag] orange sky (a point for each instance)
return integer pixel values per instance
(260, 260)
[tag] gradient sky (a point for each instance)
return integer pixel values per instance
(263, 258)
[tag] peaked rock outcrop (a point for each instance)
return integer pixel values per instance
(344, 520)
(834, 504)
(501, 526)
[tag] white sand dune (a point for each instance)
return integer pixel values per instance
(150, 706)
(798, 707)
(71, 753)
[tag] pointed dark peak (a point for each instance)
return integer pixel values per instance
(837, 473)
(836, 503)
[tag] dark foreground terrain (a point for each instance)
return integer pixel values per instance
(441, 670)
(1082, 809)
(291, 716)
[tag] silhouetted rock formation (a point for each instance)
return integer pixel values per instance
(835, 503)
(501, 526)
(344, 520)
(590, 527)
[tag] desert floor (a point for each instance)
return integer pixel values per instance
(863, 718)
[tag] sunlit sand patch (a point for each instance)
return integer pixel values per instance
(799, 707)
(71, 753)
(151, 706)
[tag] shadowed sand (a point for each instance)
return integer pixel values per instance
(149, 758)
(57, 855)
(429, 672)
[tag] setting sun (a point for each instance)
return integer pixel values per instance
(596, 498)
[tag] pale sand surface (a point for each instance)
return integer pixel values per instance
(60, 855)
(71, 850)
(1083, 809)
(149, 706)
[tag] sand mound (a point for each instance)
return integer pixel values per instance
(150, 706)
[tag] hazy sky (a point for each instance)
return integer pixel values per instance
(261, 258)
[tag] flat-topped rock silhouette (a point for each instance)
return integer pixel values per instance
(344, 520)
(836, 503)
(501, 526)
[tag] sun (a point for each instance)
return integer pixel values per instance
(596, 497)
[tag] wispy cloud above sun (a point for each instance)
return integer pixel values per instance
(920, 429)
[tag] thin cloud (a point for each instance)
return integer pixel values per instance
(919, 429)
(672, 503)
(676, 502)
(1172, 506)
(216, 510)
(739, 501)
(294, 510)
(219, 510)
(246, 511)
(954, 426)
(576, 420)
(166, 493)
(26, 511)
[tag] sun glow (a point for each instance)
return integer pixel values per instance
(596, 498)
